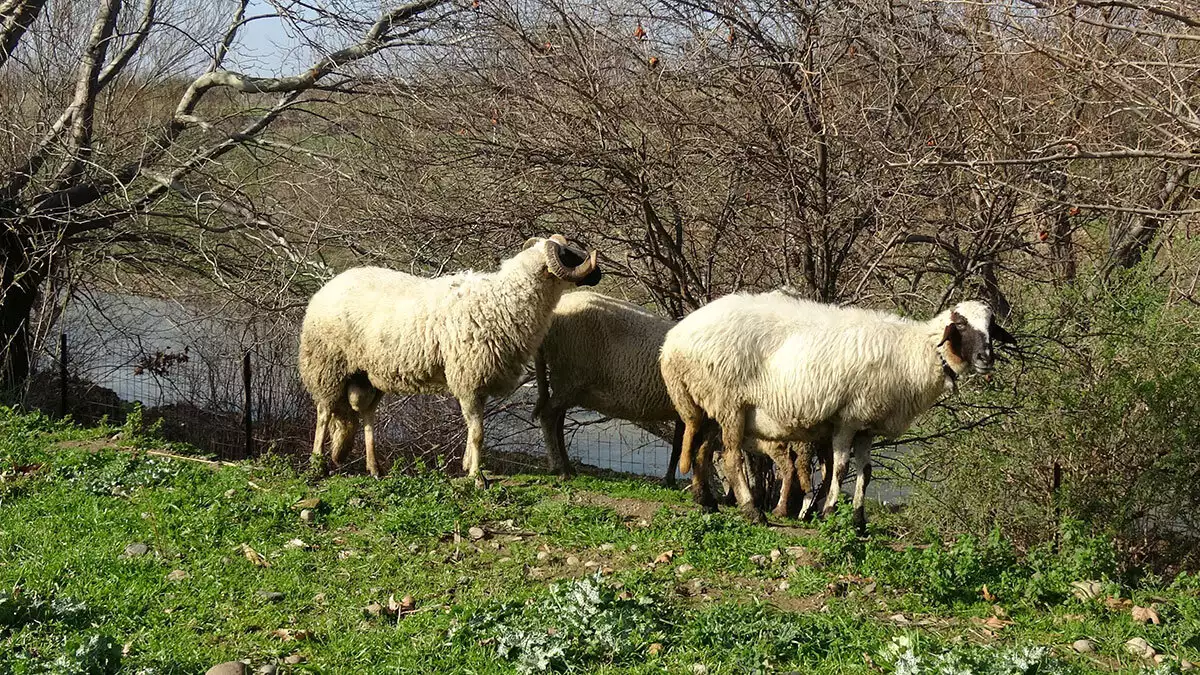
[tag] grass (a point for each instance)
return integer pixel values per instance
(564, 580)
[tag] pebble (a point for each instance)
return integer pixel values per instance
(136, 550)
(591, 564)
(178, 575)
(230, 494)
(1186, 665)
(476, 533)
(572, 561)
(270, 596)
(267, 669)
(543, 555)
(1084, 646)
(699, 669)
(227, 668)
(607, 547)
(758, 559)
(784, 585)
(684, 569)
(1139, 647)
(306, 515)
(633, 547)
(776, 554)
(294, 659)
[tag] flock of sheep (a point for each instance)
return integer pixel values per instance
(767, 373)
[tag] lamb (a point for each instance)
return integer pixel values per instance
(601, 353)
(371, 331)
(779, 368)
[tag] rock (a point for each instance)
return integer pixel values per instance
(543, 555)
(178, 575)
(591, 564)
(407, 604)
(759, 560)
(1084, 646)
(633, 547)
(607, 547)
(1186, 665)
(230, 494)
(1087, 590)
(268, 669)
(655, 649)
(795, 551)
(776, 554)
(1140, 648)
(869, 588)
(307, 515)
(293, 659)
(136, 550)
(784, 585)
(684, 569)
(297, 543)
(227, 668)
(373, 609)
(476, 533)
(699, 669)
(269, 596)
(572, 561)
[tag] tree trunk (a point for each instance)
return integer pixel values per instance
(19, 285)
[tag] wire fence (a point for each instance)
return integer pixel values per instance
(234, 405)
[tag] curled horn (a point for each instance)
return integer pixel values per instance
(554, 247)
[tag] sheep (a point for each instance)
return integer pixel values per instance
(601, 353)
(371, 331)
(779, 368)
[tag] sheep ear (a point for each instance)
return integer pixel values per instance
(954, 337)
(530, 242)
(999, 334)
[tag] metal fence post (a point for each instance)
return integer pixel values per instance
(247, 404)
(62, 374)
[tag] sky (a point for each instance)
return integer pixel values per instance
(268, 47)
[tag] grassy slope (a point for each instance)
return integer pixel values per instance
(64, 525)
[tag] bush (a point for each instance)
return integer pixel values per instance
(1106, 389)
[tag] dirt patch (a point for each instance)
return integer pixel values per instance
(626, 507)
(791, 603)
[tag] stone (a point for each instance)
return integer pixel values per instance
(1084, 646)
(607, 547)
(307, 515)
(776, 554)
(572, 561)
(591, 564)
(784, 585)
(269, 596)
(543, 555)
(177, 575)
(267, 669)
(227, 668)
(476, 533)
(758, 559)
(633, 547)
(1140, 648)
(1186, 665)
(230, 494)
(699, 669)
(293, 659)
(136, 550)
(373, 609)
(684, 569)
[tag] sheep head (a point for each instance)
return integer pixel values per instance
(969, 335)
(568, 261)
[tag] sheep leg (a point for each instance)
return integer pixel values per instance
(862, 463)
(368, 425)
(472, 410)
(700, 474)
(550, 419)
(785, 470)
(319, 436)
(676, 448)
(801, 477)
(343, 429)
(566, 471)
(732, 431)
(824, 452)
(842, 440)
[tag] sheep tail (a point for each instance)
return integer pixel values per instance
(543, 382)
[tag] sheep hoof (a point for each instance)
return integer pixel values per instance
(780, 512)
(670, 483)
(706, 502)
(752, 513)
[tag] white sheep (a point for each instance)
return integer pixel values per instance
(372, 330)
(779, 368)
(601, 354)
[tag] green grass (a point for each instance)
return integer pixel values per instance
(71, 602)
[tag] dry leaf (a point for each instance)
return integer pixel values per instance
(254, 556)
(291, 634)
(992, 622)
(987, 595)
(1145, 615)
(665, 557)
(655, 649)
(1117, 604)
